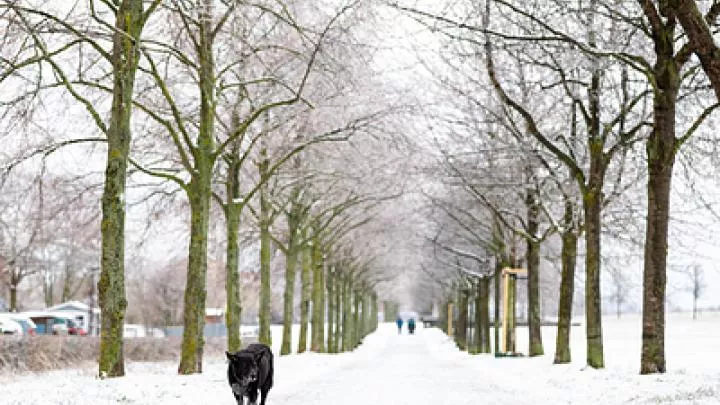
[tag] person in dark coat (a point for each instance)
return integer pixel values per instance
(411, 325)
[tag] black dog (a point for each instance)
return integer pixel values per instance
(250, 370)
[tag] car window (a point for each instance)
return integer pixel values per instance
(59, 321)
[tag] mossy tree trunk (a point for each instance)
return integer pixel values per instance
(567, 286)
(232, 210)
(291, 260)
(195, 290)
(305, 296)
(496, 296)
(330, 284)
(593, 311)
(347, 325)
(129, 23)
(499, 249)
(374, 310)
(199, 193)
(592, 204)
(265, 251)
(482, 316)
(511, 308)
(485, 314)
(337, 297)
(476, 341)
(357, 300)
(367, 320)
(318, 296)
(13, 297)
(443, 318)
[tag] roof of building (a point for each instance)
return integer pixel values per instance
(73, 306)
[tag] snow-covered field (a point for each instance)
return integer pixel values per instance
(421, 369)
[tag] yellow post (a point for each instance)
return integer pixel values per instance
(506, 287)
(450, 318)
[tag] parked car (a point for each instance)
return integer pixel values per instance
(74, 327)
(10, 327)
(54, 323)
(28, 326)
(60, 326)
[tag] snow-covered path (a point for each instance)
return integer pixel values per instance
(398, 369)
(423, 369)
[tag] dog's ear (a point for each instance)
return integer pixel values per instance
(230, 356)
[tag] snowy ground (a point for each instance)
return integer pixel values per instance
(421, 369)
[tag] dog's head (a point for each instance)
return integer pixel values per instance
(243, 369)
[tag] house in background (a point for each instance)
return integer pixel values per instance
(88, 320)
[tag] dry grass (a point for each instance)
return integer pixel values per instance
(40, 353)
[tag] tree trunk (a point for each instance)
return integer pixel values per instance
(593, 310)
(291, 259)
(195, 290)
(13, 296)
(498, 243)
(330, 284)
(305, 298)
(233, 315)
(592, 204)
(111, 285)
(511, 315)
(496, 277)
(356, 320)
(337, 297)
(366, 315)
(661, 147)
(374, 309)
(462, 321)
(318, 306)
(567, 288)
(265, 252)
(67, 284)
(477, 340)
(533, 274)
(199, 193)
(347, 315)
(484, 310)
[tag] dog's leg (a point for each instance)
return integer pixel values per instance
(252, 396)
(239, 399)
(263, 395)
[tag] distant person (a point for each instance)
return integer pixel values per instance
(411, 325)
(399, 323)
